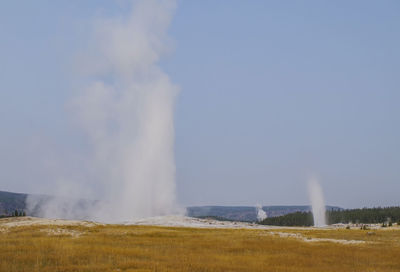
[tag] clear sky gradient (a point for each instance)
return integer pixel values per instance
(272, 93)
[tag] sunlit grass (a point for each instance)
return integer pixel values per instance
(140, 248)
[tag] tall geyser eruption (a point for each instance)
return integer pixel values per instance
(261, 214)
(317, 202)
(126, 111)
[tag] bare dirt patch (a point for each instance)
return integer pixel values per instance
(60, 231)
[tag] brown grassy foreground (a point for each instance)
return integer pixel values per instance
(141, 248)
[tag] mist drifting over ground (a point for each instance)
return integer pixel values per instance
(126, 111)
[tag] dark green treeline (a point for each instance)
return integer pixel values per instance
(362, 216)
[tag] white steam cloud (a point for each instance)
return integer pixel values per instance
(261, 214)
(317, 202)
(126, 112)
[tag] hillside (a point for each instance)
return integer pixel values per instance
(9, 202)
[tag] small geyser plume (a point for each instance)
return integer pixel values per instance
(126, 111)
(261, 214)
(317, 202)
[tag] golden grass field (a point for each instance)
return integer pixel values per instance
(146, 248)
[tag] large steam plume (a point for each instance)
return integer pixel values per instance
(126, 112)
(317, 202)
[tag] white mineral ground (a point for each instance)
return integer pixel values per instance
(176, 221)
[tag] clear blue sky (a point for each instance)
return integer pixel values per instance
(271, 93)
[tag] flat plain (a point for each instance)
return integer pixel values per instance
(33, 245)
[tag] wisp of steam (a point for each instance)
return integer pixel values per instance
(126, 111)
(261, 214)
(317, 202)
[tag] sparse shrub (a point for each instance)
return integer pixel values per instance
(390, 224)
(347, 227)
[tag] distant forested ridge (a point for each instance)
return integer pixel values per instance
(244, 213)
(9, 202)
(291, 219)
(364, 216)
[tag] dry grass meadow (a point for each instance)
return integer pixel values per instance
(145, 248)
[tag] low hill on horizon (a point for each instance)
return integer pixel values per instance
(9, 202)
(247, 213)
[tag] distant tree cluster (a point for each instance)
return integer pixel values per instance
(18, 213)
(291, 219)
(218, 218)
(379, 215)
(14, 214)
(365, 215)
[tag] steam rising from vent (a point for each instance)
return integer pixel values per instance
(317, 203)
(126, 111)
(261, 214)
